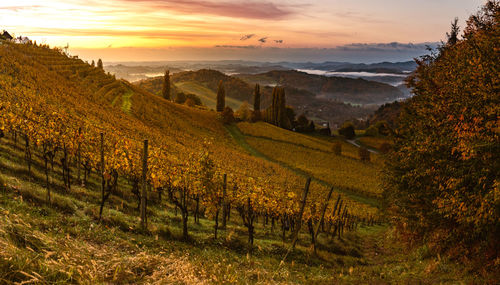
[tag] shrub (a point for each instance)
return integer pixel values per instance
(385, 148)
(180, 98)
(244, 113)
(364, 154)
(227, 115)
(196, 100)
(372, 131)
(382, 128)
(190, 102)
(256, 116)
(347, 130)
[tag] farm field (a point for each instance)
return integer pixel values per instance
(314, 156)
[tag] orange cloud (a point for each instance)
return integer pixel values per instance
(245, 9)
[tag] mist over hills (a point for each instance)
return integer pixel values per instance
(321, 98)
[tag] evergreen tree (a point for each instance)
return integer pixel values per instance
(453, 35)
(93, 63)
(99, 64)
(165, 92)
(221, 97)
(282, 118)
(256, 98)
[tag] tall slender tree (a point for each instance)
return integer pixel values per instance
(165, 92)
(221, 97)
(281, 108)
(99, 64)
(256, 115)
(256, 98)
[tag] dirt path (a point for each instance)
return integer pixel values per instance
(239, 137)
(356, 144)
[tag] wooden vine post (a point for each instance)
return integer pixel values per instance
(79, 156)
(103, 182)
(144, 186)
(299, 218)
(224, 201)
(316, 230)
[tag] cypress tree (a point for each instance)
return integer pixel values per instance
(165, 92)
(273, 106)
(256, 98)
(99, 64)
(93, 63)
(282, 108)
(221, 97)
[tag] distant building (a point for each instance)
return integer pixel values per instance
(325, 130)
(22, 40)
(6, 36)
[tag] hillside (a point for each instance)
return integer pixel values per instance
(66, 104)
(204, 84)
(355, 91)
(222, 203)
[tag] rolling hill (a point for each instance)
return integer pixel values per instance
(220, 203)
(66, 105)
(347, 90)
(204, 84)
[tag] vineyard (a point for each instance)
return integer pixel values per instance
(315, 157)
(102, 181)
(67, 113)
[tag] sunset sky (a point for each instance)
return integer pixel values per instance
(208, 29)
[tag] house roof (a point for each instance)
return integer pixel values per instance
(6, 35)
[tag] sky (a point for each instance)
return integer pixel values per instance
(265, 30)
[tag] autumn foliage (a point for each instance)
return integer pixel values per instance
(443, 175)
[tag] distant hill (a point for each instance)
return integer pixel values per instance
(356, 91)
(394, 67)
(204, 83)
(389, 113)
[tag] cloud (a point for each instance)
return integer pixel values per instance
(250, 9)
(111, 33)
(247, 37)
(393, 46)
(263, 40)
(237, 47)
(20, 8)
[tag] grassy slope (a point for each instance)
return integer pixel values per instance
(207, 96)
(255, 150)
(63, 243)
(313, 156)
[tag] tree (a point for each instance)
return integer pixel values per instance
(453, 35)
(277, 113)
(190, 102)
(221, 97)
(196, 100)
(244, 113)
(227, 115)
(347, 130)
(165, 92)
(442, 181)
(180, 98)
(93, 63)
(256, 102)
(99, 64)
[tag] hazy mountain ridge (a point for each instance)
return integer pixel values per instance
(356, 91)
(241, 89)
